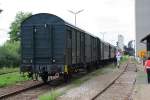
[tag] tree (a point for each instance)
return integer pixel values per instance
(10, 54)
(10, 51)
(15, 25)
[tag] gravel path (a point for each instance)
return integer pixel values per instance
(92, 87)
(122, 88)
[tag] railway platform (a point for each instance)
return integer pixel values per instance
(142, 88)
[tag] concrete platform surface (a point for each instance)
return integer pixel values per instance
(142, 88)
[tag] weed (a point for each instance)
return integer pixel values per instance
(11, 78)
(50, 96)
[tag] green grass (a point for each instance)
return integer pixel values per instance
(50, 95)
(5, 70)
(11, 78)
(124, 59)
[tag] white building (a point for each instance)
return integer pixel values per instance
(121, 42)
(142, 12)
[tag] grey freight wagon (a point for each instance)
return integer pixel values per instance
(51, 46)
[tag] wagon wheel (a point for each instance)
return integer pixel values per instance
(66, 77)
(36, 76)
(30, 75)
(96, 66)
(44, 77)
(88, 68)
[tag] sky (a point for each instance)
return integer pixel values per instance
(111, 17)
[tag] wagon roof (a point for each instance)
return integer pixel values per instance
(146, 38)
(68, 24)
(63, 21)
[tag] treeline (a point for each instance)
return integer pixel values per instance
(10, 51)
(10, 54)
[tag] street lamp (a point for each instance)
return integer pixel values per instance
(103, 33)
(1, 10)
(75, 13)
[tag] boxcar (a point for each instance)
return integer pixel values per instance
(51, 46)
(112, 51)
(105, 48)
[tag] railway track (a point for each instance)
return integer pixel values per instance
(121, 88)
(34, 90)
(19, 89)
(31, 92)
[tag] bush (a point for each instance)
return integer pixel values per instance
(10, 54)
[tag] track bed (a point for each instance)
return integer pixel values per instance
(122, 88)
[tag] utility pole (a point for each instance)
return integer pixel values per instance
(103, 33)
(134, 47)
(75, 13)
